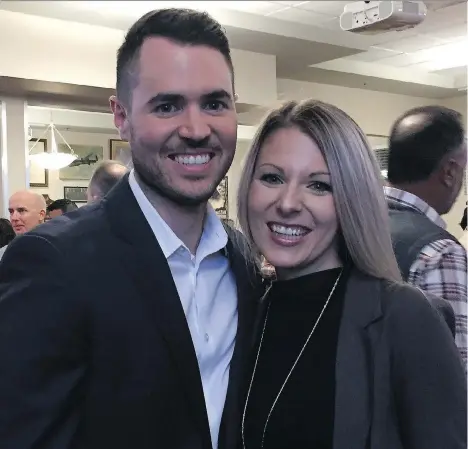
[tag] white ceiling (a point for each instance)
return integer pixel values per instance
(428, 60)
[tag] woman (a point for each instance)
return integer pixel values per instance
(347, 357)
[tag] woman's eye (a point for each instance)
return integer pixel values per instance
(270, 178)
(321, 187)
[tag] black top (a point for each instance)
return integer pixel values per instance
(304, 414)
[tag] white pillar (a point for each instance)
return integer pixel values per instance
(14, 149)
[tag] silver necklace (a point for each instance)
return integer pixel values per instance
(292, 368)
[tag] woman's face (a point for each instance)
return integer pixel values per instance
(291, 208)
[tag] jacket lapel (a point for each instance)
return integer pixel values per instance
(248, 292)
(353, 396)
(146, 264)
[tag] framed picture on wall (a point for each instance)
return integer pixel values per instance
(76, 194)
(219, 201)
(119, 150)
(380, 146)
(83, 167)
(38, 176)
(48, 200)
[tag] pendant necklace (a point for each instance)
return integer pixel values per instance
(292, 368)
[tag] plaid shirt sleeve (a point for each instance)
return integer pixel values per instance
(441, 269)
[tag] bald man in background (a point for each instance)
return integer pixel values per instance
(104, 178)
(27, 210)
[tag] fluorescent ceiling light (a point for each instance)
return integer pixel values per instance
(446, 56)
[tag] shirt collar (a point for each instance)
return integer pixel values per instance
(412, 201)
(214, 237)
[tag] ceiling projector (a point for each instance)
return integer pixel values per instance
(379, 16)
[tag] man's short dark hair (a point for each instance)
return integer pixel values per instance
(105, 177)
(183, 26)
(63, 204)
(417, 146)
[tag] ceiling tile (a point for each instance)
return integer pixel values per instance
(450, 33)
(249, 6)
(455, 71)
(373, 55)
(403, 60)
(333, 8)
(437, 5)
(411, 44)
(290, 3)
(446, 18)
(330, 24)
(300, 16)
(426, 66)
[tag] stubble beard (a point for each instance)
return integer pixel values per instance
(156, 180)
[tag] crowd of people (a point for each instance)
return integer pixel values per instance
(334, 316)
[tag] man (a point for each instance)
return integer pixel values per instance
(60, 207)
(27, 210)
(104, 178)
(426, 166)
(147, 350)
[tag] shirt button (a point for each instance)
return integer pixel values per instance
(207, 338)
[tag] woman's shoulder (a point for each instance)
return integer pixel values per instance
(406, 305)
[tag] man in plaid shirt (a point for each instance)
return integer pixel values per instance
(426, 168)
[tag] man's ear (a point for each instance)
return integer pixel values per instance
(450, 171)
(120, 117)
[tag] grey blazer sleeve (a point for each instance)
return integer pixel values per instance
(428, 377)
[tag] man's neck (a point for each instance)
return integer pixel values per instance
(419, 189)
(186, 222)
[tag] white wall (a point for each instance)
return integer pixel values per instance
(373, 111)
(71, 52)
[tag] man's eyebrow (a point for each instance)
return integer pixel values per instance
(174, 97)
(216, 94)
(166, 97)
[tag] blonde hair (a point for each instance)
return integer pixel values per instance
(357, 185)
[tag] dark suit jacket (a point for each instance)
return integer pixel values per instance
(95, 349)
(400, 382)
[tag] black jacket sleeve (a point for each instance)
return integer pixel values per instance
(43, 346)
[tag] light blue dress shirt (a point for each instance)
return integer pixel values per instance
(207, 291)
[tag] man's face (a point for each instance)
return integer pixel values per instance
(455, 174)
(182, 124)
(25, 212)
